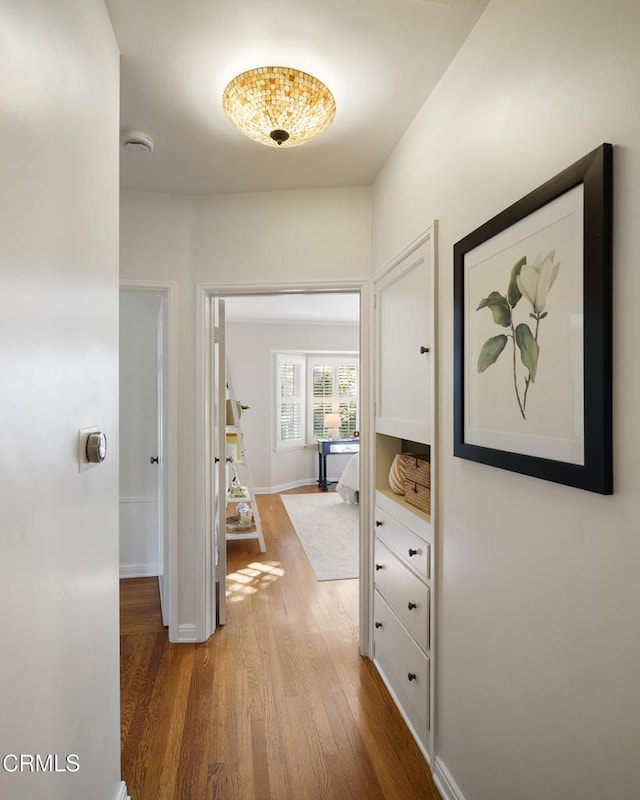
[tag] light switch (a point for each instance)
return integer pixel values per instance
(92, 447)
(96, 447)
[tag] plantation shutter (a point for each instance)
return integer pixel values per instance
(333, 389)
(322, 393)
(348, 399)
(290, 401)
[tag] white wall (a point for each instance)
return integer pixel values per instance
(139, 542)
(251, 348)
(156, 242)
(277, 237)
(59, 672)
(259, 239)
(538, 687)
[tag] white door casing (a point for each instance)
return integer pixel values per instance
(219, 483)
(205, 585)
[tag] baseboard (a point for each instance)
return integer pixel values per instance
(137, 500)
(121, 793)
(445, 783)
(140, 570)
(187, 634)
(284, 486)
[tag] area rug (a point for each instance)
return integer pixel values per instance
(327, 528)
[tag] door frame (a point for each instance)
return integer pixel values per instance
(168, 514)
(205, 595)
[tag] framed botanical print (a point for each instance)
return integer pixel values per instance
(532, 332)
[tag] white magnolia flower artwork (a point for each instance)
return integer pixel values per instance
(532, 281)
(535, 280)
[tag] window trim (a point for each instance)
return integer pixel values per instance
(305, 358)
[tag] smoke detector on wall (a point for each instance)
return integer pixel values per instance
(137, 142)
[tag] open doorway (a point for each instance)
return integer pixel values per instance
(323, 328)
(309, 343)
(293, 363)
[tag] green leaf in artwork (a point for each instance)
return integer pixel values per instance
(544, 314)
(499, 307)
(514, 294)
(529, 350)
(491, 350)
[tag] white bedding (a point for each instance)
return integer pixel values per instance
(349, 484)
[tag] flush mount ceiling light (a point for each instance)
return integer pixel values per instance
(278, 106)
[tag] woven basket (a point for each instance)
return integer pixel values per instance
(418, 496)
(417, 481)
(417, 469)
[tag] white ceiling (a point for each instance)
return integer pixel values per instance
(380, 58)
(334, 308)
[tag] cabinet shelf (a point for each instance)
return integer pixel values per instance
(235, 527)
(399, 501)
(237, 498)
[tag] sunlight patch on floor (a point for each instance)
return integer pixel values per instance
(251, 579)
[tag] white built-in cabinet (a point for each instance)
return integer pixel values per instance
(404, 323)
(403, 612)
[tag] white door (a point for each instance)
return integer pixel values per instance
(141, 490)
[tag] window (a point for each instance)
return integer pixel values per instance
(290, 400)
(332, 389)
(308, 388)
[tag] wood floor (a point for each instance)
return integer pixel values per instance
(277, 705)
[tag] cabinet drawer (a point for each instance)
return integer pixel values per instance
(405, 544)
(344, 448)
(404, 592)
(404, 667)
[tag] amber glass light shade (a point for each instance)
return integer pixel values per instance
(278, 106)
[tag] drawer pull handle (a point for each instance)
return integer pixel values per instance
(411, 606)
(424, 350)
(379, 566)
(378, 624)
(378, 523)
(412, 676)
(413, 552)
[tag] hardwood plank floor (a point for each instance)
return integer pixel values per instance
(277, 705)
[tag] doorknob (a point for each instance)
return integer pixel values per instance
(154, 460)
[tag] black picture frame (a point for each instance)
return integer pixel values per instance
(481, 403)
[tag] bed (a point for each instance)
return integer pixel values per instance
(349, 484)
